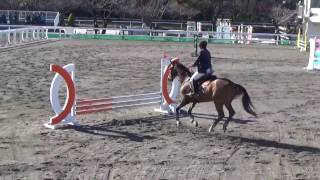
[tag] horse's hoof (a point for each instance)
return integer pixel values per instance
(178, 123)
(224, 129)
(195, 123)
(210, 129)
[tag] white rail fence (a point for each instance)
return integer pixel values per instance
(21, 36)
(234, 37)
(17, 37)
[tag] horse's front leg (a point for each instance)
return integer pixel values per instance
(191, 115)
(181, 105)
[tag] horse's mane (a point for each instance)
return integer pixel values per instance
(184, 69)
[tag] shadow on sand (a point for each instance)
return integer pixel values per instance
(108, 128)
(214, 117)
(274, 144)
(111, 128)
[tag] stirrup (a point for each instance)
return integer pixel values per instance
(196, 95)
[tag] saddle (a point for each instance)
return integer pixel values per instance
(206, 80)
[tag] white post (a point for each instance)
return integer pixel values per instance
(175, 87)
(46, 33)
(14, 37)
(22, 36)
(241, 32)
(250, 30)
(238, 37)
(25, 35)
(8, 43)
(199, 24)
(1, 39)
(30, 34)
(38, 34)
(55, 102)
(311, 55)
(33, 34)
(314, 56)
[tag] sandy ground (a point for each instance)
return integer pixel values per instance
(283, 142)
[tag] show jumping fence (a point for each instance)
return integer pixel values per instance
(73, 107)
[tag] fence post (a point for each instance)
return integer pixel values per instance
(14, 37)
(38, 33)
(33, 34)
(8, 39)
(22, 36)
(0, 39)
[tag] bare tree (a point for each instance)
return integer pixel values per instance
(11, 4)
(106, 7)
(281, 15)
(157, 9)
(149, 9)
(180, 10)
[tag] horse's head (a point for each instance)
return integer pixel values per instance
(179, 70)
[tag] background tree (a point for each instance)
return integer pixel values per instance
(148, 9)
(106, 8)
(281, 15)
(71, 19)
(243, 11)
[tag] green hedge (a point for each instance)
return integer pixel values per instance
(148, 38)
(135, 38)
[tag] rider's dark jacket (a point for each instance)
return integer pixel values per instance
(204, 61)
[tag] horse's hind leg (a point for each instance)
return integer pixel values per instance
(219, 107)
(231, 114)
(190, 114)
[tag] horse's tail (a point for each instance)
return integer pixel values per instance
(246, 101)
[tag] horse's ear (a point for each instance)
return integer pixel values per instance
(173, 64)
(174, 60)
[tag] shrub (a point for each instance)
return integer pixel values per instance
(71, 20)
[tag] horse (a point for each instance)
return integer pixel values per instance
(221, 91)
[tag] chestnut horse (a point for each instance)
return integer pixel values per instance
(221, 91)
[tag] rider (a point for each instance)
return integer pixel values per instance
(204, 68)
